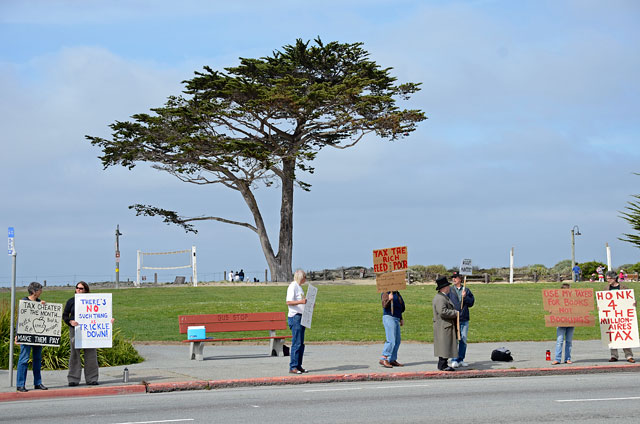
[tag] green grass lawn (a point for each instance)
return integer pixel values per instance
(503, 312)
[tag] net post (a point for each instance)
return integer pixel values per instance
(139, 267)
(193, 266)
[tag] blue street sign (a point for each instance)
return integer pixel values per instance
(10, 231)
(12, 246)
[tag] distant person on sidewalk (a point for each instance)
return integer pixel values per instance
(392, 309)
(241, 275)
(613, 284)
(445, 344)
(90, 355)
(35, 290)
(576, 273)
(462, 300)
(564, 335)
(296, 302)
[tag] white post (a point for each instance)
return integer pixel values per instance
(193, 266)
(13, 254)
(511, 267)
(608, 257)
(139, 268)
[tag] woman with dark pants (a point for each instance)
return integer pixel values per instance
(90, 355)
(35, 290)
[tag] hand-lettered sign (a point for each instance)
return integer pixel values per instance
(391, 281)
(568, 307)
(39, 324)
(618, 320)
(307, 315)
(391, 259)
(93, 313)
(465, 267)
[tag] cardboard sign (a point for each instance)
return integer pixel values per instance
(465, 267)
(618, 320)
(391, 281)
(307, 315)
(568, 307)
(93, 313)
(391, 259)
(39, 324)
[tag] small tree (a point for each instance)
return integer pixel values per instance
(264, 121)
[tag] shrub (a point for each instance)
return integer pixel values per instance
(57, 358)
(589, 268)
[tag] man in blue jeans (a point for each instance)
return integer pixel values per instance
(296, 302)
(462, 300)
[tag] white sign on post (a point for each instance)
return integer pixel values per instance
(618, 320)
(93, 314)
(465, 267)
(307, 315)
(39, 324)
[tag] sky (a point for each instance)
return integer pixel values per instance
(532, 123)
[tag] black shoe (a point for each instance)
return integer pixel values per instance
(40, 387)
(22, 389)
(72, 384)
(302, 369)
(448, 369)
(92, 383)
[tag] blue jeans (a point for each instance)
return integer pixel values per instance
(564, 334)
(392, 333)
(297, 341)
(23, 365)
(462, 343)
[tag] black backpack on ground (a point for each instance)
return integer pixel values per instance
(501, 354)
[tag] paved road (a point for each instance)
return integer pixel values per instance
(594, 398)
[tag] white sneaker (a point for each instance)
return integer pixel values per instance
(463, 364)
(454, 364)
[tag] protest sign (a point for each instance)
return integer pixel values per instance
(93, 313)
(618, 321)
(568, 307)
(391, 281)
(39, 324)
(465, 267)
(307, 315)
(391, 259)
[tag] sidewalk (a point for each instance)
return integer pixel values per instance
(168, 367)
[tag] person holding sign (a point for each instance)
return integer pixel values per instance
(296, 302)
(462, 300)
(613, 284)
(90, 355)
(445, 345)
(35, 290)
(392, 309)
(564, 335)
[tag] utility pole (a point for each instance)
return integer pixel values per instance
(118, 234)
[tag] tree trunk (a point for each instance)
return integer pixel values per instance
(282, 266)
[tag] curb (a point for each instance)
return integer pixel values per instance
(73, 392)
(307, 379)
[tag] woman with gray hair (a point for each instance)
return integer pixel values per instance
(35, 290)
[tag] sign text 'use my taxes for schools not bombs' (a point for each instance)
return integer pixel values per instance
(391, 259)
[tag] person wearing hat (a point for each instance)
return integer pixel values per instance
(445, 345)
(462, 300)
(613, 284)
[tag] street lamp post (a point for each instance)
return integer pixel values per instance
(575, 231)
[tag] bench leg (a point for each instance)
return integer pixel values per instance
(275, 347)
(195, 350)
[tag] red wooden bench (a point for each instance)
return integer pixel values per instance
(225, 323)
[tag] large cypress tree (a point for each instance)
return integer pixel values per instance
(632, 216)
(264, 121)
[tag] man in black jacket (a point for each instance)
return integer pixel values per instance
(462, 300)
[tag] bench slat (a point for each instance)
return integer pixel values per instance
(220, 327)
(237, 339)
(249, 317)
